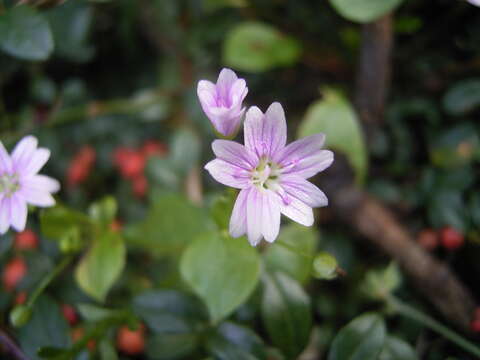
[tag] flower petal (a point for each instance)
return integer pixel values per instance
(37, 161)
(238, 92)
(265, 134)
(305, 157)
(36, 190)
(23, 152)
(254, 216)
(18, 213)
(225, 81)
(297, 211)
(4, 214)
(5, 161)
(42, 182)
(206, 92)
(303, 190)
(263, 216)
(228, 174)
(234, 153)
(238, 220)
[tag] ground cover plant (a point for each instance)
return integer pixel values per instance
(239, 179)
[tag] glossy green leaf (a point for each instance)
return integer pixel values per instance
(171, 224)
(364, 11)
(397, 349)
(256, 47)
(222, 271)
(58, 221)
(292, 251)
(286, 313)
(380, 283)
(171, 345)
(24, 33)
(184, 150)
(46, 328)
(222, 207)
(335, 117)
(448, 208)
(70, 23)
(235, 342)
(103, 211)
(462, 97)
(170, 310)
(101, 265)
(362, 338)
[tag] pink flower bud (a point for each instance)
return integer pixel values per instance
(222, 102)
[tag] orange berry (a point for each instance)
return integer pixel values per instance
(131, 342)
(26, 240)
(131, 163)
(13, 273)
(81, 165)
(451, 238)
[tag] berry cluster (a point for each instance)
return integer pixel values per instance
(448, 237)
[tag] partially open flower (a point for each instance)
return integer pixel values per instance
(20, 183)
(271, 176)
(222, 102)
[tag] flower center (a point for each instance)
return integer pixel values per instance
(266, 174)
(9, 184)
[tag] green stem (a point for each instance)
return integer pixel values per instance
(433, 324)
(47, 280)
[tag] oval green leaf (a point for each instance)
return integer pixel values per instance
(257, 47)
(362, 338)
(101, 266)
(223, 272)
(286, 313)
(364, 11)
(335, 117)
(462, 97)
(25, 34)
(397, 349)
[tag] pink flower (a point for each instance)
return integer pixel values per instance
(21, 185)
(222, 102)
(271, 176)
(474, 2)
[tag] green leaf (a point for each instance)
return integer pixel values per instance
(462, 97)
(234, 342)
(47, 328)
(171, 224)
(335, 117)
(170, 310)
(25, 34)
(171, 345)
(447, 208)
(222, 207)
(70, 23)
(107, 350)
(325, 266)
(58, 221)
(292, 251)
(222, 271)
(92, 312)
(286, 313)
(397, 349)
(101, 265)
(364, 11)
(362, 338)
(184, 150)
(257, 47)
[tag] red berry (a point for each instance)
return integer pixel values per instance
(26, 240)
(130, 162)
(21, 298)
(70, 314)
(451, 239)
(131, 342)
(140, 186)
(427, 239)
(81, 165)
(13, 273)
(475, 325)
(154, 148)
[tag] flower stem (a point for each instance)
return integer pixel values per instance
(433, 324)
(47, 280)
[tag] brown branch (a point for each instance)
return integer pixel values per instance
(366, 214)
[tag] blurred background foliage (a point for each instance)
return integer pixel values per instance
(136, 251)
